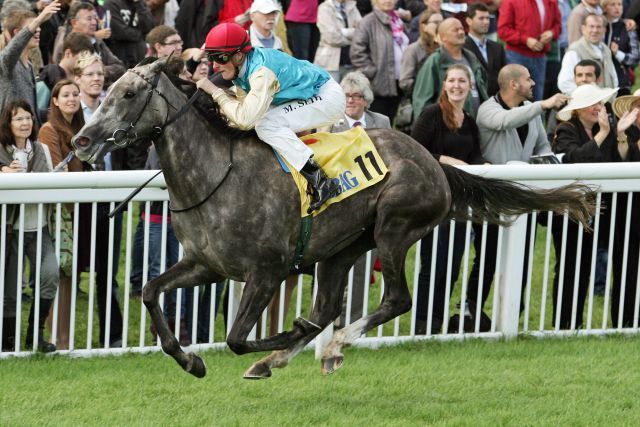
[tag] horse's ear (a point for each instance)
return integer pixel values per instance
(158, 66)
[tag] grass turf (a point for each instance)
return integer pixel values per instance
(588, 381)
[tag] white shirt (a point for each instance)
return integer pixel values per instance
(566, 82)
(351, 121)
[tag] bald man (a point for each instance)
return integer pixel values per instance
(510, 129)
(451, 51)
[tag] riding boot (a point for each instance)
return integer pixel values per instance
(8, 333)
(323, 187)
(43, 346)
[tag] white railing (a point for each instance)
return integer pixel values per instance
(502, 306)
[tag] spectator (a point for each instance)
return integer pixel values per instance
(83, 19)
(49, 29)
(418, 51)
(264, 14)
(232, 11)
(21, 152)
(89, 75)
(510, 129)
(585, 136)
(164, 41)
(74, 44)
(195, 18)
(197, 63)
(376, 51)
(302, 33)
(431, 6)
(131, 20)
(451, 136)
(357, 90)
(9, 6)
(622, 43)
(578, 15)
(589, 46)
(586, 71)
(490, 54)
(527, 28)
(16, 73)
(451, 51)
(625, 286)
(65, 120)
(337, 21)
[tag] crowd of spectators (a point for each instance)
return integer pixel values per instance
(492, 82)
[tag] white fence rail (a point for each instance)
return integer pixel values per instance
(203, 316)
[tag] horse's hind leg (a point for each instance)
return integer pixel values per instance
(186, 273)
(396, 300)
(332, 280)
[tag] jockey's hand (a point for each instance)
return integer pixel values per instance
(219, 81)
(206, 86)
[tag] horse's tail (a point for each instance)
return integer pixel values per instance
(495, 200)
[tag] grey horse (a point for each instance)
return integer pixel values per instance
(237, 214)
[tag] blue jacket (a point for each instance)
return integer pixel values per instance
(298, 79)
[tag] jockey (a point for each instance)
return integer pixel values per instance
(279, 96)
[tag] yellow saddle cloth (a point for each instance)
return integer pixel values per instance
(349, 157)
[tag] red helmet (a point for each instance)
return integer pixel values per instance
(227, 37)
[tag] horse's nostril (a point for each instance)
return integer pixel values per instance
(82, 141)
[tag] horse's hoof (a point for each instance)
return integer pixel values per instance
(331, 364)
(196, 366)
(257, 371)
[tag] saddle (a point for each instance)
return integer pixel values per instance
(349, 157)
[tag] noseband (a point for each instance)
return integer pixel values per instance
(124, 137)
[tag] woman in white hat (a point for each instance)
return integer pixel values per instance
(586, 134)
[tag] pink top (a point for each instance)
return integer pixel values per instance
(303, 11)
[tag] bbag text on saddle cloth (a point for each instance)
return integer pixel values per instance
(349, 157)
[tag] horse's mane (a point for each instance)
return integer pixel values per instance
(206, 107)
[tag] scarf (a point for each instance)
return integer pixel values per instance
(585, 51)
(397, 27)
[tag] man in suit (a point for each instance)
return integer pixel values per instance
(359, 95)
(491, 55)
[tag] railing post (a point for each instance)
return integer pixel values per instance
(509, 278)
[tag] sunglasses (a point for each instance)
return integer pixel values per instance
(221, 57)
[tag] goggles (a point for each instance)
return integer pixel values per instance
(221, 57)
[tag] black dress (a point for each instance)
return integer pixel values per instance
(430, 130)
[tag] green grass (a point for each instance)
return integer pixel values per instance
(524, 382)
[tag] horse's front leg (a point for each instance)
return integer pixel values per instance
(185, 274)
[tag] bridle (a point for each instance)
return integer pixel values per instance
(155, 133)
(124, 137)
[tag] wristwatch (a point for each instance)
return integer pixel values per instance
(623, 139)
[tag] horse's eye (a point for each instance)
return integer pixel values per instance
(129, 94)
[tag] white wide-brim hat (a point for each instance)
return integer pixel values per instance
(585, 96)
(624, 103)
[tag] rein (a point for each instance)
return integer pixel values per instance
(156, 132)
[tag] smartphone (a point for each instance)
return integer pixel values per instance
(107, 19)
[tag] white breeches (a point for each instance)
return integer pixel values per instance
(280, 123)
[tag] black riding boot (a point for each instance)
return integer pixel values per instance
(323, 187)
(8, 333)
(43, 346)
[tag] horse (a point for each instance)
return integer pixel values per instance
(237, 214)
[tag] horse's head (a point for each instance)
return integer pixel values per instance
(136, 108)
